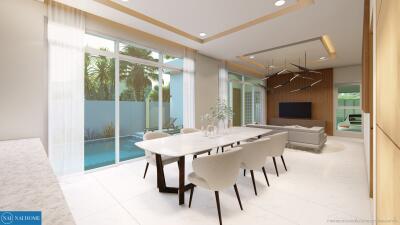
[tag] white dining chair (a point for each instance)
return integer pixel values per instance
(279, 141)
(150, 157)
(215, 173)
(253, 157)
(192, 130)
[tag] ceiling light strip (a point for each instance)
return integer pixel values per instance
(327, 42)
(259, 65)
(284, 46)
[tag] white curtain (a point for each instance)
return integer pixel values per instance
(66, 30)
(263, 106)
(188, 89)
(223, 82)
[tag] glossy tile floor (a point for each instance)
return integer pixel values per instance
(317, 189)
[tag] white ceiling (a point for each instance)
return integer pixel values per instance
(306, 54)
(340, 19)
(208, 16)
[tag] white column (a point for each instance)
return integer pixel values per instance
(116, 106)
(188, 89)
(223, 82)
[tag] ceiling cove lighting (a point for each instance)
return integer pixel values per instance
(280, 3)
(202, 34)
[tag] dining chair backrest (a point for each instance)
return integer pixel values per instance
(188, 130)
(278, 144)
(153, 135)
(254, 154)
(220, 170)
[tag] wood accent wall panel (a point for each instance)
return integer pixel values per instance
(388, 69)
(321, 96)
(388, 179)
(388, 110)
(366, 61)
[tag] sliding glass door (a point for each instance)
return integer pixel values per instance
(99, 111)
(138, 98)
(149, 89)
(245, 97)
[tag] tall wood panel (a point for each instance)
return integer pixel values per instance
(321, 96)
(388, 110)
(366, 61)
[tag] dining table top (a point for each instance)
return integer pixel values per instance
(191, 143)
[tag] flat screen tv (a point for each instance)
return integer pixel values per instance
(295, 110)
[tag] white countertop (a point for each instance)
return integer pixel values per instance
(27, 182)
(185, 144)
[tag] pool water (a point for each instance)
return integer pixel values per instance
(100, 153)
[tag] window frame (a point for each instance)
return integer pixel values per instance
(246, 84)
(337, 132)
(117, 56)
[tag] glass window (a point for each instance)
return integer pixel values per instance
(99, 149)
(99, 43)
(236, 102)
(245, 99)
(172, 83)
(248, 104)
(138, 106)
(257, 105)
(138, 99)
(348, 111)
(173, 61)
(234, 77)
(138, 52)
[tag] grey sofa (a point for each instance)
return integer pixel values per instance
(300, 137)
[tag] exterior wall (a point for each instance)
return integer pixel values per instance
(176, 107)
(99, 114)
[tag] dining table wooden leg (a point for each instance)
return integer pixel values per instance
(181, 189)
(160, 174)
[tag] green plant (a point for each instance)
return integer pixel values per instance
(109, 130)
(221, 110)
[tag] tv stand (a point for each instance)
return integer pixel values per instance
(301, 122)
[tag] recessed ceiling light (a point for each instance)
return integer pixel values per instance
(124, 0)
(323, 58)
(271, 66)
(203, 34)
(280, 3)
(252, 57)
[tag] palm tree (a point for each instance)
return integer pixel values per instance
(138, 77)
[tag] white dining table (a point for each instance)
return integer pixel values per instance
(181, 145)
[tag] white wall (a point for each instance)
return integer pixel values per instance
(206, 85)
(347, 74)
(352, 74)
(23, 76)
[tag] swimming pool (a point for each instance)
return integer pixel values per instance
(101, 152)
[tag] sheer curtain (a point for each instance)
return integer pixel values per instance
(263, 99)
(223, 82)
(188, 88)
(223, 86)
(66, 30)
